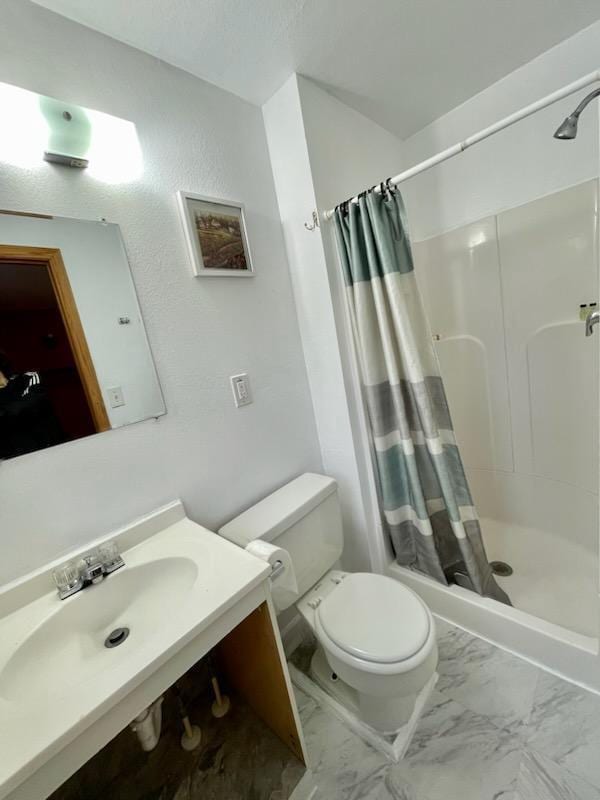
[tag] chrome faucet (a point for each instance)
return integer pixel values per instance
(92, 568)
(593, 318)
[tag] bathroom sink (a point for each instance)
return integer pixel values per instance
(63, 692)
(69, 645)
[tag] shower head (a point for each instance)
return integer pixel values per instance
(568, 128)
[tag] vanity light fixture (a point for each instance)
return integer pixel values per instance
(69, 133)
(35, 127)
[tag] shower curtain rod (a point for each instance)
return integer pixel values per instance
(460, 147)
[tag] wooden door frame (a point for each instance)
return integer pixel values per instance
(51, 258)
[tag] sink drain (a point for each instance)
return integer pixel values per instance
(116, 637)
(501, 568)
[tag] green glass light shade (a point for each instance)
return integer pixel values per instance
(69, 133)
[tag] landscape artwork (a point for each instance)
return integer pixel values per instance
(216, 236)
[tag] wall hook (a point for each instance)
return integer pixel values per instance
(315, 222)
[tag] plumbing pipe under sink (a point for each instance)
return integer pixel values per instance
(147, 725)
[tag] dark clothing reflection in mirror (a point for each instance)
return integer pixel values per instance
(27, 419)
(42, 399)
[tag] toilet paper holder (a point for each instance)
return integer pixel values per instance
(277, 569)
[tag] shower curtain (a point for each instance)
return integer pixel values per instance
(427, 506)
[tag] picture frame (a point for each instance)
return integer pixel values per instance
(215, 232)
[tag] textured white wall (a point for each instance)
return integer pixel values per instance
(295, 193)
(323, 151)
(217, 458)
(348, 152)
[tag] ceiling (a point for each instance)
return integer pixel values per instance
(401, 62)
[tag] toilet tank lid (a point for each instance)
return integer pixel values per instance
(268, 518)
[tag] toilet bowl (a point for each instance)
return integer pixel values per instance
(377, 638)
(376, 645)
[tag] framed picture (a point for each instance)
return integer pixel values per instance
(216, 236)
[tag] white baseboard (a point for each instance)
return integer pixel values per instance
(306, 789)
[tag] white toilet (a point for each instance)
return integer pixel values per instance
(376, 638)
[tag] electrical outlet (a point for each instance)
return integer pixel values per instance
(240, 386)
(115, 397)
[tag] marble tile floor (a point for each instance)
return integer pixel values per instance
(496, 728)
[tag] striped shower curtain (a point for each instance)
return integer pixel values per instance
(427, 506)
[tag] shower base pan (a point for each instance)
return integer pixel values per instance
(570, 655)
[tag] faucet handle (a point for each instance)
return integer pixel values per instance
(110, 556)
(67, 579)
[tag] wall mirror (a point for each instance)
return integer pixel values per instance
(74, 356)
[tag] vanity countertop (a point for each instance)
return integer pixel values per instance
(56, 676)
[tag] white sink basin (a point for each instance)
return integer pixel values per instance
(69, 644)
(57, 678)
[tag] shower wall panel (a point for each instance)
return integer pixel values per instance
(503, 296)
(459, 277)
(548, 253)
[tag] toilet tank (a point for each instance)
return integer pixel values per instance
(304, 518)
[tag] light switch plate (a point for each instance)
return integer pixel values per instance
(240, 386)
(115, 397)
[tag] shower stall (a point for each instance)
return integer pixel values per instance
(505, 245)
(505, 297)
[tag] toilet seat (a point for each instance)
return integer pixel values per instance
(375, 621)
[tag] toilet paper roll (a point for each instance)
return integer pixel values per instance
(284, 586)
